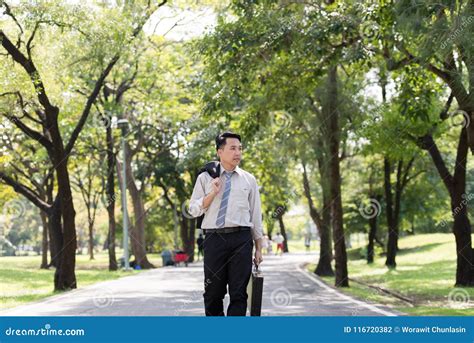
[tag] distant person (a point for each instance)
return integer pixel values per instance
(307, 241)
(265, 244)
(200, 244)
(270, 246)
(279, 241)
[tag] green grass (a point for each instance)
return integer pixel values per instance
(298, 245)
(21, 280)
(425, 273)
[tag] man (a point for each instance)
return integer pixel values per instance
(232, 223)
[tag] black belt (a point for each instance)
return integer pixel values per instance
(227, 229)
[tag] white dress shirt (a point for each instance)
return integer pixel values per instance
(243, 208)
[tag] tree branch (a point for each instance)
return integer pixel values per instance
(9, 13)
(30, 132)
(26, 192)
(90, 101)
(427, 143)
(99, 83)
(31, 70)
(30, 40)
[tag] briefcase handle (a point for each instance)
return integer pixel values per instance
(255, 268)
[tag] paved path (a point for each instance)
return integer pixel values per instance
(177, 291)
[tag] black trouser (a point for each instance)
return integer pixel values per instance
(227, 261)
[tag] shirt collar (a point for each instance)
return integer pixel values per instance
(237, 169)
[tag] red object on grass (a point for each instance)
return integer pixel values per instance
(181, 257)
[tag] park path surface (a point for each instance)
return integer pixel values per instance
(289, 290)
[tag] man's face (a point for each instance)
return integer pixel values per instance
(231, 152)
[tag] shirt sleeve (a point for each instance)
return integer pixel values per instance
(197, 198)
(256, 212)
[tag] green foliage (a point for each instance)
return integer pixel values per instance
(260, 71)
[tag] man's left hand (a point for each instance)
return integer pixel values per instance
(258, 257)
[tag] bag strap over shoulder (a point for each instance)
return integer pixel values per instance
(213, 168)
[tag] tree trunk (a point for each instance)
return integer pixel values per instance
(55, 233)
(53, 238)
(462, 227)
(187, 234)
(192, 239)
(110, 190)
(53, 247)
(137, 233)
(393, 208)
(270, 224)
(323, 267)
(332, 118)
(326, 239)
(44, 250)
(283, 232)
(91, 240)
(462, 233)
(372, 236)
(57, 236)
(456, 186)
(392, 229)
(65, 277)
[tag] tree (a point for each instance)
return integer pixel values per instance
(407, 31)
(44, 125)
(85, 181)
(252, 60)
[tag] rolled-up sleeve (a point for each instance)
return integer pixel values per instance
(256, 212)
(197, 198)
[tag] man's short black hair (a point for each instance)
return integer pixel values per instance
(221, 139)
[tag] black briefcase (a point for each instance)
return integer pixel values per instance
(255, 292)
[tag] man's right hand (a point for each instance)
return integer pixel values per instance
(216, 185)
